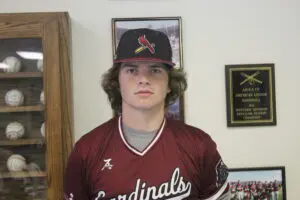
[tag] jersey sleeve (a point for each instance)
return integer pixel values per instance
(214, 174)
(74, 181)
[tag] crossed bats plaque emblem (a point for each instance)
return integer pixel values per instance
(250, 78)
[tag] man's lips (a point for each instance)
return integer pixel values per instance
(144, 92)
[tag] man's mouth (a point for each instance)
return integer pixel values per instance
(145, 92)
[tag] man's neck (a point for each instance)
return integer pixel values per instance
(143, 120)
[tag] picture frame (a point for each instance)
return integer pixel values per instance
(172, 27)
(267, 183)
(250, 94)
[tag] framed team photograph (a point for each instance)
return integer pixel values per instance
(267, 183)
(171, 26)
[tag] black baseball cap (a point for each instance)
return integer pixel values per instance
(144, 45)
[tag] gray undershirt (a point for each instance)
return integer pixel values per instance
(138, 139)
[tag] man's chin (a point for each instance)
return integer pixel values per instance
(147, 107)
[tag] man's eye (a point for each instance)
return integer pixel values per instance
(131, 70)
(156, 70)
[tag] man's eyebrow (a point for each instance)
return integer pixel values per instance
(156, 66)
(129, 65)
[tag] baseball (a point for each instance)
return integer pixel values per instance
(42, 97)
(40, 65)
(33, 167)
(14, 97)
(14, 130)
(16, 162)
(13, 64)
(43, 129)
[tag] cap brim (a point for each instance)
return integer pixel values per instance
(145, 59)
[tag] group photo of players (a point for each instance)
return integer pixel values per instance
(255, 184)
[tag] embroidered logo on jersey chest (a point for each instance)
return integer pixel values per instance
(107, 164)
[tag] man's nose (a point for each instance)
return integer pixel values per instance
(143, 78)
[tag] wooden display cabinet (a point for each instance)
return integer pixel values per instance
(36, 118)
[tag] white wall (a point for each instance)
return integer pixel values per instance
(215, 33)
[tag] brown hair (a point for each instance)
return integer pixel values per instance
(110, 84)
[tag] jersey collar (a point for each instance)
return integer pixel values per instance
(150, 145)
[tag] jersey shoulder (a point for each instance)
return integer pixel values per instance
(192, 140)
(185, 131)
(97, 137)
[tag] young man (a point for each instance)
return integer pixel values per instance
(141, 155)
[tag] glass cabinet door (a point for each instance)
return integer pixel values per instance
(36, 118)
(22, 120)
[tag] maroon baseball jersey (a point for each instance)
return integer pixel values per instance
(181, 162)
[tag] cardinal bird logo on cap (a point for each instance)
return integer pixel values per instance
(145, 44)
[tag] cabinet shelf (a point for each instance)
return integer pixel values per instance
(7, 109)
(22, 174)
(22, 142)
(21, 75)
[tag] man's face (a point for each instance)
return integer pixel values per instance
(143, 85)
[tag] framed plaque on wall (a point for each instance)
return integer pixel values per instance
(250, 95)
